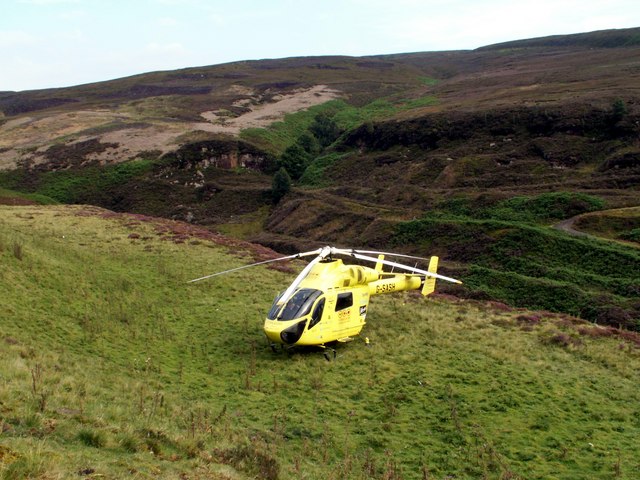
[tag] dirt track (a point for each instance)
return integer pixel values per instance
(567, 226)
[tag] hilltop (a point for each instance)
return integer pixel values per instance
(473, 155)
(114, 367)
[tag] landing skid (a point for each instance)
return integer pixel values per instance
(329, 353)
(280, 348)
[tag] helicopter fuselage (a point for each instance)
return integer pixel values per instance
(328, 300)
(331, 303)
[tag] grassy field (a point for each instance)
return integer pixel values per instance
(112, 366)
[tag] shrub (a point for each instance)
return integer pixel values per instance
(325, 129)
(17, 251)
(251, 459)
(281, 185)
(561, 339)
(548, 206)
(632, 235)
(294, 160)
(618, 110)
(309, 143)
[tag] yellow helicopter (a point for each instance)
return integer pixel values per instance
(328, 300)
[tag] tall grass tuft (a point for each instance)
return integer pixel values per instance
(92, 438)
(17, 250)
(31, 464)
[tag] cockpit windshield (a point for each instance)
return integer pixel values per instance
(275, 308)
(297, 306)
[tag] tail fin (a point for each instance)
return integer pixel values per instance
(430, 282)
(379, 265)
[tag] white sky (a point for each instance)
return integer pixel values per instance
(56, 43)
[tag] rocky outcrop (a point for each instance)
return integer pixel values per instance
(227, 154)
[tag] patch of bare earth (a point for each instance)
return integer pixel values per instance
(134, 141)
(264, 114)
(29, 131)
(24, 138)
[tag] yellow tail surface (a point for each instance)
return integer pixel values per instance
(430, 282)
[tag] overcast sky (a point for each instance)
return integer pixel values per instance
(56, 43)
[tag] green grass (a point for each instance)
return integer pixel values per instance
(429, 81)
(245, 226)
(545, 207)
(280, 135)
(631, 235)
(112, 364)
(350, 117)
(12, 197)
(75, 185)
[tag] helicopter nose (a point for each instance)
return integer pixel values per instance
(293, 333)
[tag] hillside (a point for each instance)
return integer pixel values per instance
(457, 153)
(114, 367)
(121, 119)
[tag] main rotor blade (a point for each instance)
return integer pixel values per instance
(400, 255)
(289, 257)
(405, 267)
(301, 276)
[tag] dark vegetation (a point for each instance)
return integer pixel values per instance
(15, 104)
(321, 133)
(628, 37)
(281, 184)
(533, 266)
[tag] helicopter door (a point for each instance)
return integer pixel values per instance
(316, 316)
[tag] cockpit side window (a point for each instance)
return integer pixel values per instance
(316, 316)
(299, 304)
(345, 300)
